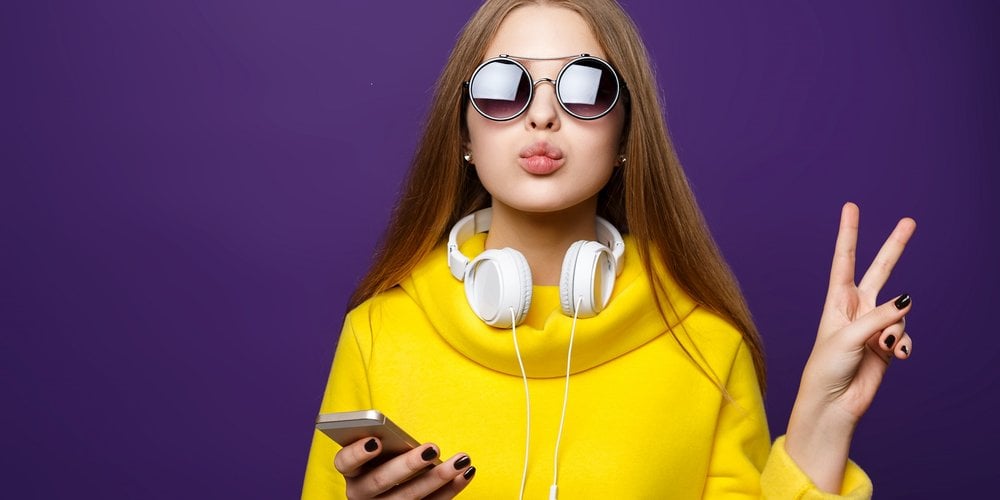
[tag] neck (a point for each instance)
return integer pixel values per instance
(542, 238)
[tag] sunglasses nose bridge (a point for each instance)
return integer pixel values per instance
(543, 80)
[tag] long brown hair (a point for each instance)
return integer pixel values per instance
(649, 198)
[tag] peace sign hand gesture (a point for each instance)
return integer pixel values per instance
(854, 345)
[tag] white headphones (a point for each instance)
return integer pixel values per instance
(500, 279)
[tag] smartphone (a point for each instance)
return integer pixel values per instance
(348, 427)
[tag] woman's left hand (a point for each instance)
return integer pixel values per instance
(854, 345)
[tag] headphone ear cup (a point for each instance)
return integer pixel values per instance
(496, 281)
(566, 283)
(588, 273)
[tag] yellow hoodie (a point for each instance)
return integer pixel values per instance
(642, 421)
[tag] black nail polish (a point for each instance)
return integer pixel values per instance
(891, 339)
(471, 471)
(371, 445)
(462, 462)
(905, 350)
(429, 454)
(902, 301)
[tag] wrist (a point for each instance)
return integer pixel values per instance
(818, 440)
(825, 417)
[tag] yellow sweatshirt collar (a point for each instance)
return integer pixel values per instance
(629, 321)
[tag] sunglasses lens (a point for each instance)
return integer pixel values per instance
(500, 89)
(588, 88)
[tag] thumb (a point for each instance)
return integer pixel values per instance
(861, 329)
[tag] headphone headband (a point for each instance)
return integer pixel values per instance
(467, 227)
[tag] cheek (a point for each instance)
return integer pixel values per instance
(617, 127)
(602, 136)
(600, 140)
(481, 133)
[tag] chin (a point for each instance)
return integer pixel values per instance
(545, 195)
(541, 205)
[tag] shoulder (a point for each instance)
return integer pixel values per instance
(717, 341)
(384, 309)
(400, 303)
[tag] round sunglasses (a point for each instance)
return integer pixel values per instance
(587, 87)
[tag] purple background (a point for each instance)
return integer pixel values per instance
(190, 191)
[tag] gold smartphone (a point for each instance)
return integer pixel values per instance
(350, 426)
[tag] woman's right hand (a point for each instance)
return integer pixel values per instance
(410, 475)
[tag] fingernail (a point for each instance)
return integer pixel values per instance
(471, 471)
(902, 301)
(905, 350)
(371, 445)
(891, 339)
(429, 454)
(462, 462)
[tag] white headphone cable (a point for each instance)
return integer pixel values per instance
(527, 404)
(553, 490)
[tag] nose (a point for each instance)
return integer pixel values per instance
(543, 112)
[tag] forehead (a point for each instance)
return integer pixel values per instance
(543, 31)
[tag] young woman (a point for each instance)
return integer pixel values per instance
(582, 337)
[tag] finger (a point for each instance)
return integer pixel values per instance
(352, 457)
(455, 486)
(842, 270)
(395, 472)
(860, 330)
(877, 274)
(904, 347)
(890, 335)
(438, 477)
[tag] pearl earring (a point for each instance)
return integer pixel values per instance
(467, 157)
(621, 160)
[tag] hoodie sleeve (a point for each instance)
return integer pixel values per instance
(746, 465)
(782, 478)
(346, 390)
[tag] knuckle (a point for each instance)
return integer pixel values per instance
(408, 494)
(444, 473)
(380, 480)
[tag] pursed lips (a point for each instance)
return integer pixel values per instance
(541, 158)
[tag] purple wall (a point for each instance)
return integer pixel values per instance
(190, 190)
